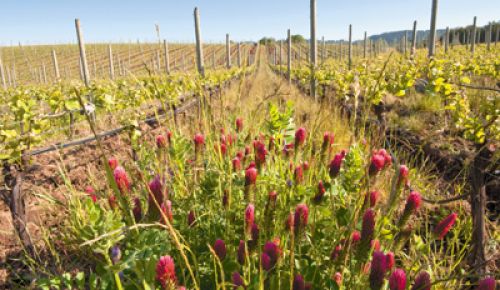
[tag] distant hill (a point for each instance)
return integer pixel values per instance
(422, 35)
(395, 36)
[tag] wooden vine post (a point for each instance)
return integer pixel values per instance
(9, 78)
(111, 65)
(447, 40)
(228, 52)
(84, 70)
(83, 56)
(57, 74)
(340, 50)
(275, 60)
(183, 61)
(80, 69)
(39, 75)
(350, 47)
(323, 49)
(279, 56)
(199, 45)
(2, 74)
(166, 57)
(372, 48)
(405, 42)
(453, 37)
(239, 54)
(473, 36)
(158, 61)
(14, 82)
(314, 49)
(199, 59)
(466, 38)
(497, 35)
(44, 73)
(281, 53)
(488, 36)
(414, 39)
(364, 45)
(214, 62)
(289, 60)
(432, 34)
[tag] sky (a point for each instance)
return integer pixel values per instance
(52, 21)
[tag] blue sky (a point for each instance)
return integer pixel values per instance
(52, 21)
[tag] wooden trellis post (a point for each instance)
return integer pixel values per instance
(275, 56)
(340, 50)
(228, 51)
(414, 39)
(488, 36)
(453, 36)
(199, 46)
(153, 64)
(111, 65)
(473, 36)
(56, 65)
(214, 62)
(447, 39)
(350, 47)
(281, 53)
(467, 38)
(323, 49)
(497, 35)
(83, 69)
(166, 56)
(39, 75)
(158, 61)
(9, 78)
(371, 48)
(83, 56)
(432, 34)
(80, 66)
(314, 50)
(404, 43)
(289, 63)
(14, 77)
(44, 73)
(239, 54)
(364, 46)
(2, 74)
